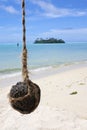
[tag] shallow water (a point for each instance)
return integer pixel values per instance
(41, 57)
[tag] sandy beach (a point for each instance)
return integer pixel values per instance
(63, 104)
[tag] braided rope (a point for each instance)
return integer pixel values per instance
(24, 54)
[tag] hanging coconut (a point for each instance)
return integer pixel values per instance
(24, 96)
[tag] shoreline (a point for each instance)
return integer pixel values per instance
(65, 111)
(16, 71)
(39, 73)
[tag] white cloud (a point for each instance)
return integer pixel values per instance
(51, 11)
(10, 33)
(65, 31)
(68, 34)
(9, 9)
(69, 30)
(16, 1)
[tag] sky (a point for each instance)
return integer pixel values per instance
(61, 19)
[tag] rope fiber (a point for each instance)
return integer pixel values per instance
(24, 53)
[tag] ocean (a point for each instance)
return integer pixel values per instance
(40, 57)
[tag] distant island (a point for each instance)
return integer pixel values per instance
(49, 40)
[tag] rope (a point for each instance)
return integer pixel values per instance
(23, 23)
(24, 53)
(24, 66)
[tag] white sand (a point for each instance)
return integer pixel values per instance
(58, 110)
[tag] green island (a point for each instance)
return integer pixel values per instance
(49, 40)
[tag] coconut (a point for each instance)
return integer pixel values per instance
(24, 97)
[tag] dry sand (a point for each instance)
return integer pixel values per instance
(58, 109)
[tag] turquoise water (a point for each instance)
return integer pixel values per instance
(41, 56)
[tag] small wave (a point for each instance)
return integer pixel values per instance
(9, 70)
(10, 75)
(7, 73)
(42, 68)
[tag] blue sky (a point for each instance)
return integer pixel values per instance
(66, 19)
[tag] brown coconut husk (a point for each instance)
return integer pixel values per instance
(22, 101)
(24, 96)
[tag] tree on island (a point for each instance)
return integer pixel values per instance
(49, 40)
